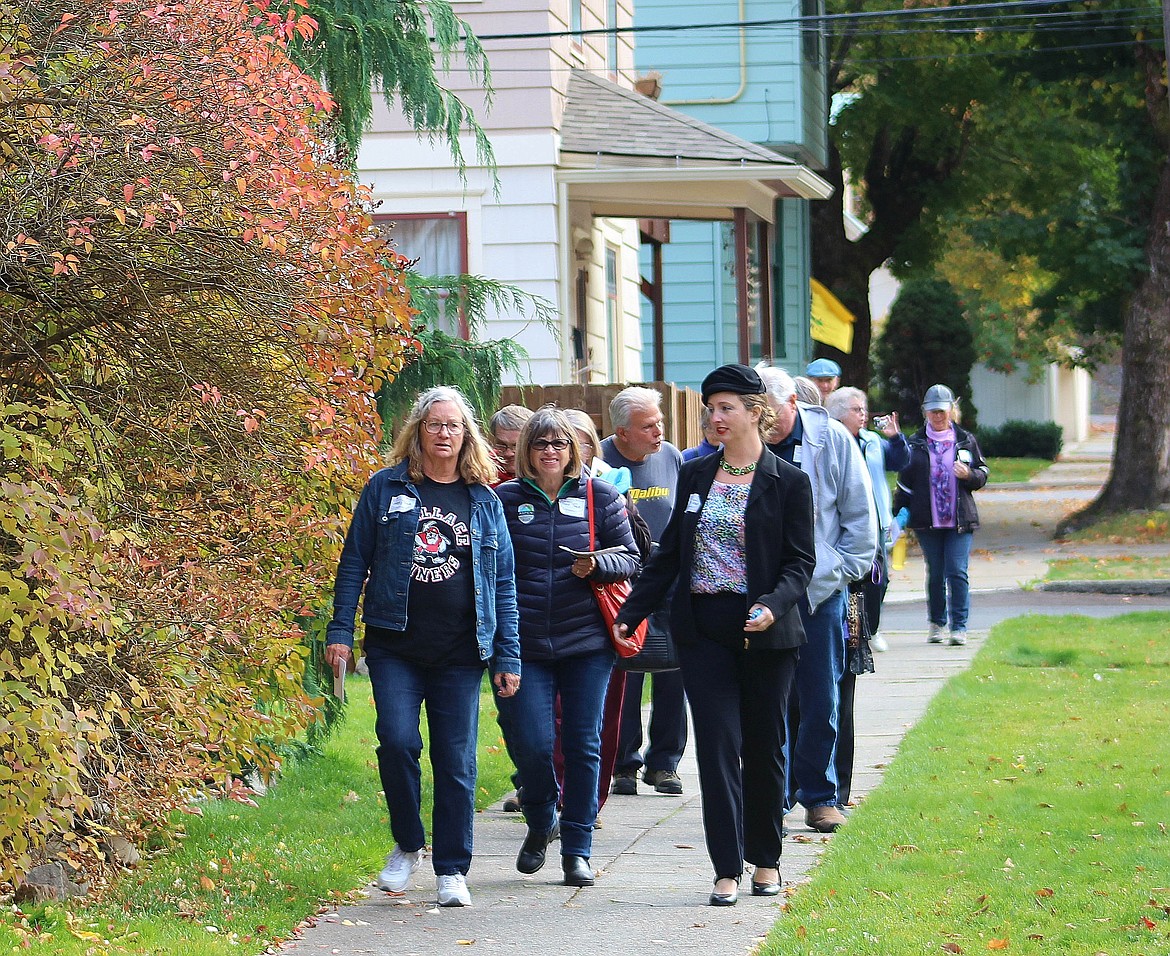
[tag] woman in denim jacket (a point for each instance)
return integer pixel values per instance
(429, 545)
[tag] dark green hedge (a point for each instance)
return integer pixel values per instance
(1016, 439)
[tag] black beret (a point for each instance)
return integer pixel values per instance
(738, 379)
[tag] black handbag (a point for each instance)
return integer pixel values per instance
(658, 652)
(858, 653)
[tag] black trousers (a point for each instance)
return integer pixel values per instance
(846, 731)
(668, 723)
(738, 699)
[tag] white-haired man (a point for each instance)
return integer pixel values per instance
(845, 531)
(638, 444)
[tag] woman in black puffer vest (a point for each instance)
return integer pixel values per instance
(564, 644)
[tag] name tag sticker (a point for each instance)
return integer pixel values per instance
(401, 503)
(693, 502)
(797, 457)
(573, 507)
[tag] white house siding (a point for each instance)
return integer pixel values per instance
(622, 236)
(1060, 395)
(512, 238)
(513, 229)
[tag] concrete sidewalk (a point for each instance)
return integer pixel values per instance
(653, 873)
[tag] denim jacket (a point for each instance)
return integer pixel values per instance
(379, 550)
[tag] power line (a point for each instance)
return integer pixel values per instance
(931, 15)
(694, 68)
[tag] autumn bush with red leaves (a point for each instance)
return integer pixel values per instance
(195, 312)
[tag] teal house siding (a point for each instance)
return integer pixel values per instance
(694, 298)
(770, 90)
(793, 299)
(766, 85)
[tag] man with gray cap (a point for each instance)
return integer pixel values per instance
(845, 529)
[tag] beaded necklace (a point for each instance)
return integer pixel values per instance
(738, 472)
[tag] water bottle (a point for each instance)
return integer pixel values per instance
(901, 543)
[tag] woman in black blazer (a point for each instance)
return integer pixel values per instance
(740, 544)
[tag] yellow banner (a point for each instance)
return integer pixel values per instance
(832, 323)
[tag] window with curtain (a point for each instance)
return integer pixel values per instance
(437, 244)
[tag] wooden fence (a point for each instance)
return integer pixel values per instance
(680, 406)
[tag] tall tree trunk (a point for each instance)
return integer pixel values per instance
(844, 268)
(1140, 479)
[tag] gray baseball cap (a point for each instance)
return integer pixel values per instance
(938, 396)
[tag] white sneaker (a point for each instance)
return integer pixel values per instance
(958, 638)
(935, 634)
(453, 890)
(879, 643)
(399, 868)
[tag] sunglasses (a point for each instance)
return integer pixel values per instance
(540, 444)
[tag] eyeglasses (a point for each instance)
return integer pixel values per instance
(540, 444)
(453, 428)
(501, 446)
(859, 409)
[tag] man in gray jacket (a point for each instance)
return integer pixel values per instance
(846, 541)
(638, 444)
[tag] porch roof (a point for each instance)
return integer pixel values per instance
(630, 156)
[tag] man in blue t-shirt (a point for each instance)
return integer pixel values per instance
(637, 443)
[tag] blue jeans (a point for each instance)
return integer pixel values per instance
(946, 553)
(813, 712)
(581, 682)
(451, 695)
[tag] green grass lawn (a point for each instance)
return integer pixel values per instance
(1000, 470)
(1026, 812)
(1003, 470)
(1108, 569)
(244, 875)
(1135, 527)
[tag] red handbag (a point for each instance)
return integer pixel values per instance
(611, 597)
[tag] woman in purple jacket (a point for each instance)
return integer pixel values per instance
(564, 644)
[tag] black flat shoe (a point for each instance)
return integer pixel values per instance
(765, 889)
(532, 852)
(725, 899)
(578, 872)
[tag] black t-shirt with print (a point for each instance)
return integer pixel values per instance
(440, 625)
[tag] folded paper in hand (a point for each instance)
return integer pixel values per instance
(590, 554)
